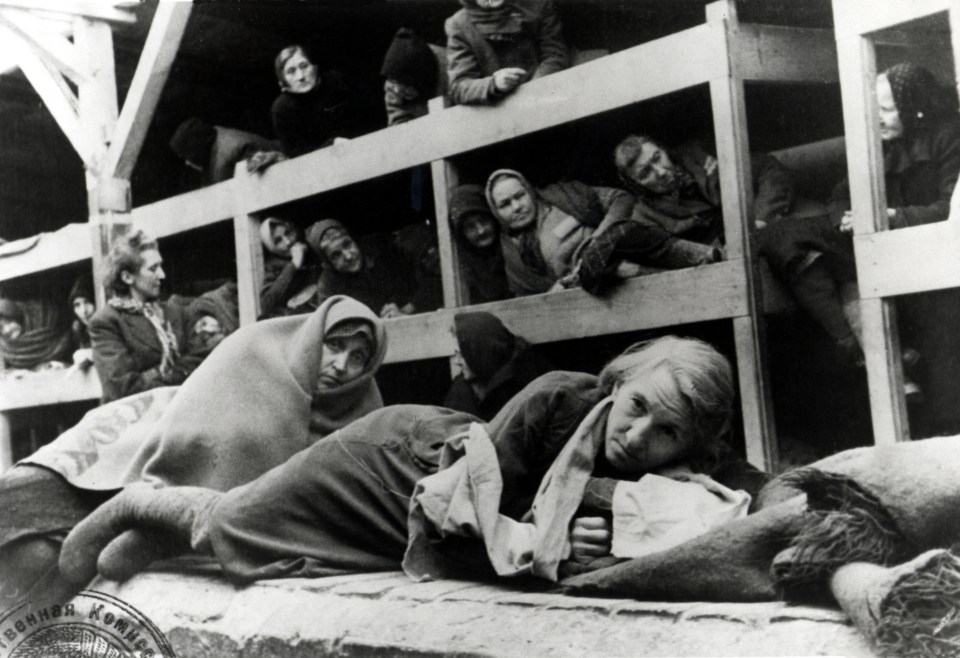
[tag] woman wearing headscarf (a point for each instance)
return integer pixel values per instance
(312, 110)
(493, 46)
(81, 302)
(269, 390)
(921, 159)
(494, 365)
(290, 270)
(478, 235)
(441, 494)
(31, 334)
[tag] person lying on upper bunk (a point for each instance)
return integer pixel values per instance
(139, 342)
(494, 46)
(679, 189)
(477, 232)
(290, 270)
(414, 71)
(313, 109)
(441, 494)
(81, 300)
(571, 234)
(32, 335)
(494, 365)
(215, 150)
(920, 133)
(377, 273)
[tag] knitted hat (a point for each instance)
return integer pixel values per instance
(82, 287)
(409, 60)
(466, 200)
(317, 230)
(192, 141)
(485, 344)
(916, 92)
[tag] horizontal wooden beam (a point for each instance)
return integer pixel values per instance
(783, 54)
(856, 17)
(153, 68)
(908, 260)
(626, 77)
(184, 212)
(699, 294)
(50, 46)
(37, 389)
(70, 244)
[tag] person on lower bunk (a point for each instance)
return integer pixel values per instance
(438, 493)
(570, 234)
(81, 301)
(267, 391)
(290, 270)
(478, 237)
(32, 335)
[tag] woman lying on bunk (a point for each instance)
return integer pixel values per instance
(267, 391)
(438, 493)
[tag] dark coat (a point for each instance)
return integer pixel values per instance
(127, 352)
(306, 122)
(232, 146)
(281, 281)
(342, 504)
(472, 59)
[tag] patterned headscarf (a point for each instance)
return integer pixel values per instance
(917, 94)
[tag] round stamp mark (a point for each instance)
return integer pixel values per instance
(91, 625)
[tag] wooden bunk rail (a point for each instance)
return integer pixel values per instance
(888, 262)
(774, 53)
(653, 301)
(70, 244)
(208, 205)
(855, 18)
(52, 387)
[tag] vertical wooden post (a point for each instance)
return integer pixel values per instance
(6, 442)
(733, 156)
(881, 344)
(246, 236)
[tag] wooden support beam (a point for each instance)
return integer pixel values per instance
(881, 344)
(887, 260)
(444, 178)
(53, 90)
(784, 54)
(701, 294)
(55, 48)
(51, 387)
(736, 190)
(249, 253)
(70, 8)
(153, 69)
(853, 18)
(6, 443)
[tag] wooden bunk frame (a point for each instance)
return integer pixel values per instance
(720, 53)
(887, 261)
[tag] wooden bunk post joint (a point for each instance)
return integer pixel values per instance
(113, 194)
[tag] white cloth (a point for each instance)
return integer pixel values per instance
(658, 512)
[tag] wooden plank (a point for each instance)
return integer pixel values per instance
(53, 90)
(783, 54)
(208, 205)
(607, 83)
(6, 443)
(736, 190)
(954, 19)
(881, 344)
(156, 60)
(444, 178)
(98, 94)
(246, 237)
(67, 245)
(90, 9)
(50, 46)
(887, 261)
(855, 17)
(666, 299)
(36, 389)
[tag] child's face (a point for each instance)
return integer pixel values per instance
(83, 309)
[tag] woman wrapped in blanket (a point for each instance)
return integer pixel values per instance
(267, 391)
(382, 492)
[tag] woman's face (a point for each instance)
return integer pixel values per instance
(284, 236)
(10, 329)
(480, 230)
(342, 359)
(83, 309)
(890, 125)
(343, 253)
(208, 332)
(299, 74)
(642, 431)
(515, 205)
(145, 283)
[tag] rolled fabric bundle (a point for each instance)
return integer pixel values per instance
(730, 563)
(908, 611)
(880, 505)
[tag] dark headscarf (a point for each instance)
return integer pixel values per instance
(82, 287)
(918, 95)
(467, 200)
(486, 345)
(193, 140)
(409, 60)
